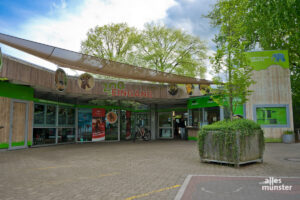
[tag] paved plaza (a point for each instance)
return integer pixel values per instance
(124, 170)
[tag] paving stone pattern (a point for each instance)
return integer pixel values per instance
(120, 170)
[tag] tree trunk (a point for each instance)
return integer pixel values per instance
(230, 86)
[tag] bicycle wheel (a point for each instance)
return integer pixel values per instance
(134, 137)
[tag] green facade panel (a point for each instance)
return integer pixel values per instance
(201, 102)
(16, 91)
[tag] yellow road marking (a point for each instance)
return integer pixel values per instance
(111, 174)
(152, 192)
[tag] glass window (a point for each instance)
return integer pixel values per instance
(165, 125)
(71, 116)
(50, 115)
(126, 124)
(62, 116)
(123, 124)
(142, 120)
(165, 133)
(111, 129)
(133, 122)
(39, 114)
(211, 115)
(271, 115)
(84, 125)
(195, 117)
(44, 136)
(165, 120)
(66, 135)
(45, 119)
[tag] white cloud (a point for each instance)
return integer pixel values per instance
(69, 27)
(185, 25)
(62, 5)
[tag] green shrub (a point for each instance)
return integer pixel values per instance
(236, 124)
(273, 140)
(225, 135)
(288, 132)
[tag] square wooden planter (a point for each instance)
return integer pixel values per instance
(246, 149)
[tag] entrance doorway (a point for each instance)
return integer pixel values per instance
(165, 125)
(18, 124)
(179, 124)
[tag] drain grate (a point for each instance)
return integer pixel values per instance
(293, 159)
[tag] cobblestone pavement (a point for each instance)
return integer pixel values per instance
(122, 170)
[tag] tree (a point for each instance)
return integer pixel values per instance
(114, 42)
(269, 25)
(275, 24)
(156, 47)
(170, 50)
(229, 58)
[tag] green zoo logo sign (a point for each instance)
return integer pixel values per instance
(261, 60)
(109, 86)
(118, 89)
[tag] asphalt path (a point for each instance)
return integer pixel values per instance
(202, 187)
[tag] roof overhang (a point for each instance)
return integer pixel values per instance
(83, 62)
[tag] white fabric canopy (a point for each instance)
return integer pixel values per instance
(83, 62)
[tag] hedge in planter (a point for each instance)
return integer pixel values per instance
(235, 142)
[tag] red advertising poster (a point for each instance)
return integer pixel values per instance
(98, 124)
(128, 125)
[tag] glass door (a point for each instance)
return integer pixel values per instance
(126, 123)
(165, 125)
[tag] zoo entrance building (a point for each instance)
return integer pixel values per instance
(43, 107)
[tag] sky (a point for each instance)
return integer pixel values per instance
(64, 23)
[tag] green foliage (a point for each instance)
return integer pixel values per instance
(288, 132)
(3, 79)
(114, 42)
(230, 58)
(269, 25)
(235, 125)
(192, 138)
(224, 135)
(14, 144)
(273, 140)
(275, 24)
(156, 47)
(172, 51)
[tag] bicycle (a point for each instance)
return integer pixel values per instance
(142, 134)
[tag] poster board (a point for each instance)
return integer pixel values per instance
(98, 124)
(84, 125)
